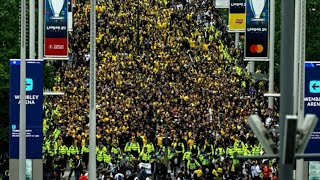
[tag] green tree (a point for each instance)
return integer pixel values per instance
(9, 49)
(312, 36)
(313, 31)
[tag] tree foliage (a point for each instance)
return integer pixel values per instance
(313, 31)
(10, 49)
(312, 36)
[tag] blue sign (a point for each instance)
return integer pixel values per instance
(312, 102)
(314, 86)
(34, 101)
(29, 84)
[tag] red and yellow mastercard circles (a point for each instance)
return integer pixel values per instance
(256, 48)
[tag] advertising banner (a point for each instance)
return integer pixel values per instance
(257, 29)
(312, 102)
(70, 15)
(56, 32)
(222, 3)
(34, 101)
(237, 16)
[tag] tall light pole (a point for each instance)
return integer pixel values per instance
(138, 28)
(271, 55)
(286, 82)
(92, 128)
(40, 29)
(22, 128)
(299, 73)
(32, 29)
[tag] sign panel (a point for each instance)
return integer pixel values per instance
(314, 170)
(222, 3)
(56, 32)
(312, 102)
(237, 15)
(257, 29)
(34, 101)
(70, 15)
(28, 169)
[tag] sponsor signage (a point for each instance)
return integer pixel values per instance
(34, 106)
(237, 15)
(56, 28)
(312, 103)
(257, 29)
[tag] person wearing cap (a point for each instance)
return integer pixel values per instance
(205, 160)
(192, 164)
(135, 148)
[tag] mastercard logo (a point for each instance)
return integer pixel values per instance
(239, 21)
(256, 48)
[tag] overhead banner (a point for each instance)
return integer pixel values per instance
(312, 103)
(257, 29)
(56, 31)
(222, 3)
(237, 16)
(70, 15)
(34, 101)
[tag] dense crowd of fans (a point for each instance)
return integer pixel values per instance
(163, 68)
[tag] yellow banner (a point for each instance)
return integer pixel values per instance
(237, 22)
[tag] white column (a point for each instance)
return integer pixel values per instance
(40, 29)
(299, 74)
(22, 128)
(92, 128)
(32, 29)
(237, 39)
(271, 50)
(251, 67)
